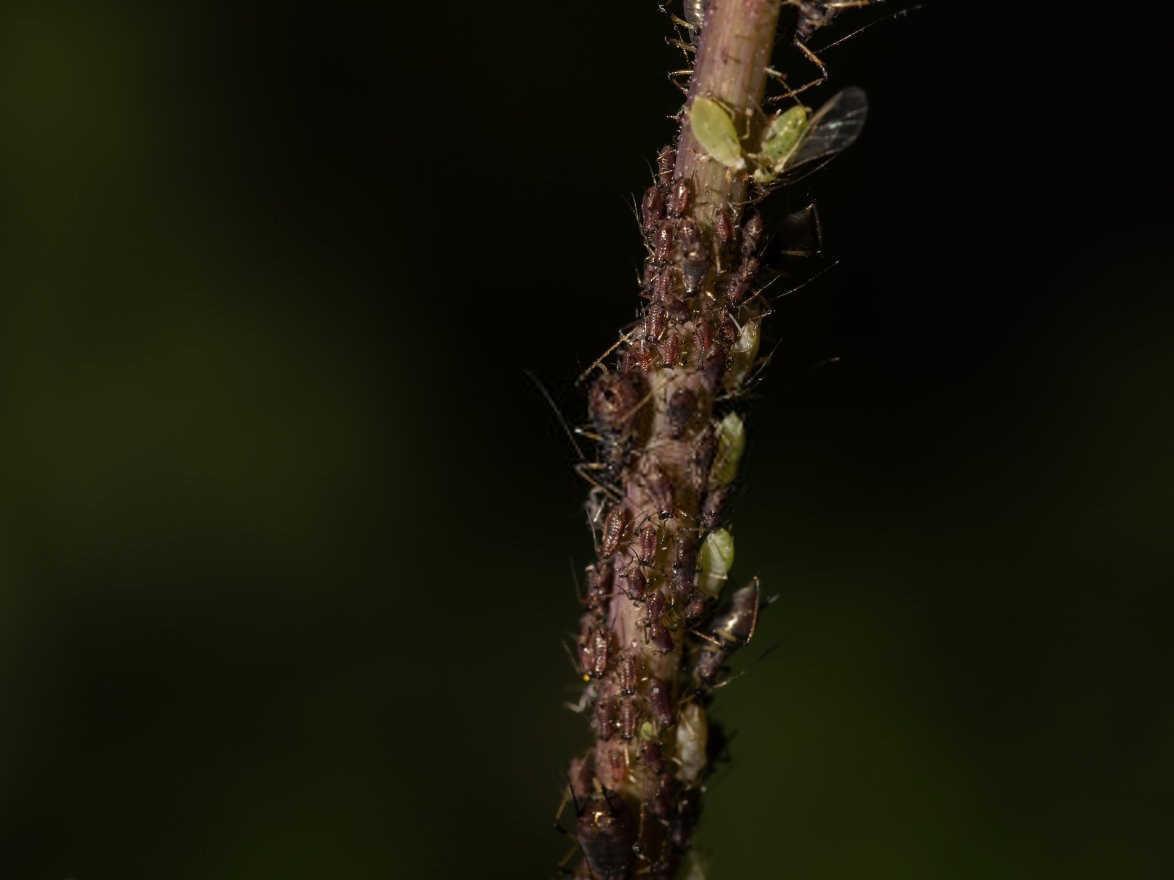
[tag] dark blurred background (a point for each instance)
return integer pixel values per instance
(288, 534)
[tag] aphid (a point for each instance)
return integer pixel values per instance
(742, 355)
(713, 509)
(694, 262)
(668, 288)
(713, 128)
(646, 543)
(664, 801)
(629, 719)
(651, 210)
(736, 625)
(696, 608)
(662, 249)
(581, 776)
(681, 408)
(703, 450)
(731, 442)
(832, 129)
(752, 231)
(599, 584)
(684, 568)
(813, 15)
(703, 338)
(613, 400)
(695, 13)
(661, 638)
(628, 673)
(655, 322)
(670, 350)
(660, 701)
(594, 647)
(615, 527)
(714, 561)
(654, 608)
(732, 628)
(605, 718)
(680, 199)
(724, 230)
(692, 734)
(633, 583)
(617, 766)
(606, 832)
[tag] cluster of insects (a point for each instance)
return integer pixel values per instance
(659, 626)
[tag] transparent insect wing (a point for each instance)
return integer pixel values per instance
(833, 128)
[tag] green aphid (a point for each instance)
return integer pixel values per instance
(782, 136)
(714, 129)
(715, 561)
(731, 442)
(796, 137)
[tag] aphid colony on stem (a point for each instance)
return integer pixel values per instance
(667, 471)
(659, 622)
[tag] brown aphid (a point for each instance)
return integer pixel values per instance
(652, 755)
(651, 210)
(594, 648)
(663, 242)
(664, 802)
(670, 351)
(703, 338)
(661, 638)
(606, 832)
(697, 608)
(680, 198)
(713, 510)
(727, 330)
(581, 776)
(654, 609)
(647, 540)
(682, 406)
(613, 400)
(724, 229)
(633, 583)
(661, 702)
(629, 719)
(752, 232)
(605, 718)
(640, 357)
(628, 673)
(684, 568)
(615, 528)
(694, 260)
(655, 321)
(702, 459)
(599, 583)
(617, 766)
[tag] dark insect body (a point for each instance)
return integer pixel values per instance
(660, 700)
(605, 719)
(732, 628)
(628, 674)
(606, 831)
(629, 719)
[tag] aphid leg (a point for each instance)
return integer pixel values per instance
(599, 360)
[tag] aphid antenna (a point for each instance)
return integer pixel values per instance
(895, 15)
(558, 413)
(598, 362)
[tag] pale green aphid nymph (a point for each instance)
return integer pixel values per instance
(731, 442)
(715, 561)
(713, 127)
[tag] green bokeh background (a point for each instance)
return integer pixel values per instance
(288, 534)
